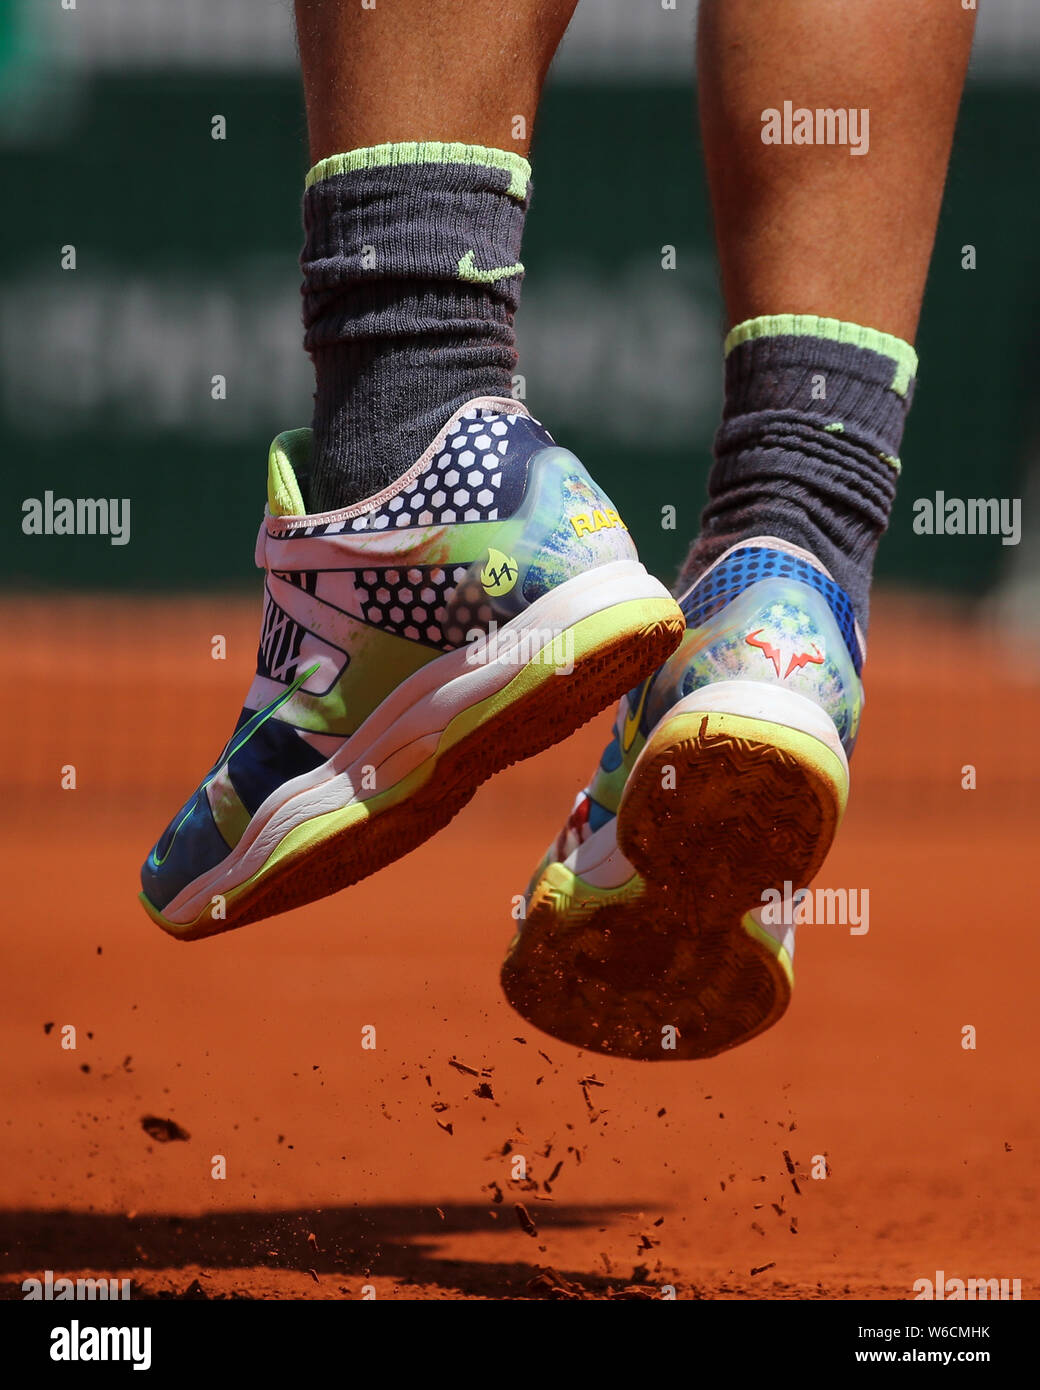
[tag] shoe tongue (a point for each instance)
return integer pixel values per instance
(287, 466)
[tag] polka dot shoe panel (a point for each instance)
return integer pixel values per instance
(478, 473)
(435, 604)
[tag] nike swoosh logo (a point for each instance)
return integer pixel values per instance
(628, 734)
(469, 271)
(245, 735)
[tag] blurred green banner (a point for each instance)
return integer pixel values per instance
(185, 252)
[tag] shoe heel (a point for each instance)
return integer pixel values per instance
(723, 804)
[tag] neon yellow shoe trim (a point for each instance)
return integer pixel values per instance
(564, 882)
(425, 152)
(774, 947)
(812, 753)
(230, 814)
(904, 358)
(284, 497)
(343, 709)
(571, 898)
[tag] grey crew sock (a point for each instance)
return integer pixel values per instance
(809, 442)
(411, 281)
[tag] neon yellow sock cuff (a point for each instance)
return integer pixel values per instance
(902, 355)
(425, 152)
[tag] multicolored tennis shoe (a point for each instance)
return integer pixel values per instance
(658, 926)
(470, 615)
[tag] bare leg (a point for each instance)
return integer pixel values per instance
(817, 230)
(460, 71)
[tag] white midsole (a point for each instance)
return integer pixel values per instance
(403, 731)
(782, 932)
(760, 700)
(598, 862)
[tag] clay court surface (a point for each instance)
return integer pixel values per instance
(349, 1167)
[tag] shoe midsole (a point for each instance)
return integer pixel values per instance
(405, 729)
(760, 700)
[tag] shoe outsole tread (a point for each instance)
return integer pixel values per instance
(719, 808)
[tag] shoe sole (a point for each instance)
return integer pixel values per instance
(719, 808)
(614, 649)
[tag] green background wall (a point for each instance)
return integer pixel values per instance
(186, 267)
